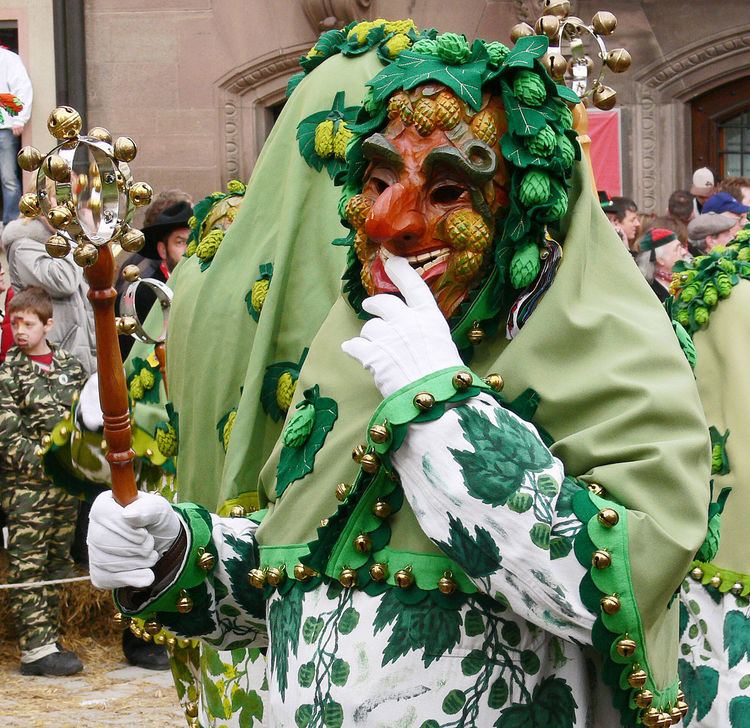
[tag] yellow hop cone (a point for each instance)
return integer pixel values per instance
(343, 135)
(228, 426)
(258, 294)
(324, 139)
(147, 378)
(210, 244)
(191, 248)
(285, 391)
(400, 26)
(467, 230)
(360, 31)
(136, 389)
(193, 222)
(398, 43)
(166, 441)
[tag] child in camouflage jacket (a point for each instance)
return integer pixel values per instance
(37, 385)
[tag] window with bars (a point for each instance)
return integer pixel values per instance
(734, 146)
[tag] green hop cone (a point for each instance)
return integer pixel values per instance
(566, 150)
(710, 294)
(299, 426)
(710, 546)
(559, 206)
(166, 440)
(452, 48)
(228, 427)
(497, 52)
(535, 189)
(136, 390)
(258, 293)
(426, 47)
(701, 315)
(529, 88)
(689, 292)
(717, 458)
(324, 139)
(191, 249)
(340, 140)
(210, 244)
(147, 378)
(565, 115)
(683, 317)
(524, 267)
(728, 266)
(743, 235)
(396, 44)
(744, 254)
(543, 143)
(285, 391)
(723, 285)
(235, 187)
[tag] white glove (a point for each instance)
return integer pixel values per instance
(124, 543)
(89, 407)
(408, 340)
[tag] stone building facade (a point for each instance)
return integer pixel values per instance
(198, 83)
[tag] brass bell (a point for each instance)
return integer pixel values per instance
(697, 573)
(56, 168)
(131, 273)
(379, 572)
(276, 576)
(601, 559)
(644, 698)
(604, 97)
(596, 489)
(152, 627)
(28, 205)
(64, 122)
(125, 325)
(29, 159)
(404, 578)
(64, 431)
(136, 631)
(520, 30)
(675, 715)
(680, 694)
(494, 382)
(184, 603)
(462, 381)
(446, 583)
(737, 588)
(100, 133)
(237, 512)
(618, 60)
(715, 581)
(557, 65)
(85, 255)
(363, 543)
(60, 217)
(382, 509)
(475, 335)
(206, 561)
(125, 149)
(348, 578)
(57, 246)
(149, 453)
(160, 638)
(303, 573)
(559, 8)
(191, 710)
(626, 647)
(424, 401)
(140, 194)
(650, 717)
(604, 22)
(547, 25)
(323, 522)
(132, 240)
(637, 679)
(182, 643)
(610, 604)
(358, 453)
(257, 578)
(665, 721)
(370, 463)
(120, 621)
(379, 434)
(39, 452)
(342, 491)
(171, 642)
(608, 517)
(46, 441)
(682, 706)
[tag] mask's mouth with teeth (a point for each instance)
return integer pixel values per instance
(430, 264)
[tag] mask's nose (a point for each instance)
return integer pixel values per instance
(395, 221)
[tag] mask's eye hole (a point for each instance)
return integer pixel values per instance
(379, 185)
(447, 194)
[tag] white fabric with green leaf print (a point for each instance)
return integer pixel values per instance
(715, 662)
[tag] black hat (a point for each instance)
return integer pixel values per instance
(169, 219)
(604, 200)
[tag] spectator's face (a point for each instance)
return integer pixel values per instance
(28, 330)
(745, 200)
(722, 238)
(671, 253)
(630, 225)
(172, 250)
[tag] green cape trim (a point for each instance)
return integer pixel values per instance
(724, 580)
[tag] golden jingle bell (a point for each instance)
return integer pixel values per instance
(100, 133)
(626, 647)
(136, 631)
(618, 60)
(547, 25)
(608, 517)
(604, 22)
(120, 621)
(520, 30)
(160, 638)
(650, 717)
(125, 325)
(363, 543)
(604, 98)
(379, 572)
(675, 715)
(424, 401)
(64, 122)
(57, 246)
(475, 335)
(494, 382)
(171, 643)
(29, 159)
(697, 573)
(191, 710)
(596, 489)
(682, 706)
(184, 603)
(637, 679)
(132, 240)
(85, 254)
(140, 194)
(237, 512)
(152, 627)
(559, 8)
(382, 509)
(610, 604)
(276, 576)
(206, 561)
(379, 434)
(46, 441)
(370, 463)
(557, 65)
(342, 491)
(303, 573)
(737, 588)
(404, 578)
(446, 583)
(257, 578)
(60, 217)
(131, 273)
(462, 381)
(601, 559)
(28, 205)
(716, 581)
(348, 578)
(358, 453)
(56, 168)
(644, 698)
(125, 149)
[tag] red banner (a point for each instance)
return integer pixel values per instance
(606, 151)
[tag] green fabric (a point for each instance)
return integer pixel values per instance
(288, 218)
(616, 394)
(723, 349)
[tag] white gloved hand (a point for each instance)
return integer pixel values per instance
(406, 341)
(89, 408)
(124, 543)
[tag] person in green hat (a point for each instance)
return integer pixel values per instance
(660, 249)
(520, 449)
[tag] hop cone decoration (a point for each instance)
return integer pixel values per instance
(343, 135)
(166, 440)
(744, 254)
(497, 52)
(535, 189)
(235, 187)
(728, 266)
(395, 45)
(683, 317)
(723, 285)
(717, 458)
(484, 128)
(147, 378)
(452, 48)
(689, 292)
(228, 427)
(529, 88)
(566, 150)
(701, 315)
(136, 389)
(258, 293)
(400, 26)
(299, 426)
(524, 268)
(565, 115)
(559, 206)
(285, 391)
(210, 244)
(467, 230)
(710, 295)
(543, 143)
(426, 46)
(424, 116)
(447, 109)
(324, 139)
(357, 210)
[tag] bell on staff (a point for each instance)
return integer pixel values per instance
(64, 122)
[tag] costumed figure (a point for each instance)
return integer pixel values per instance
(491, 528)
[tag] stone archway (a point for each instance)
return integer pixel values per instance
(662, 156)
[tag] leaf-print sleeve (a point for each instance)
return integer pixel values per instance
(490, 494)
(209, 594)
